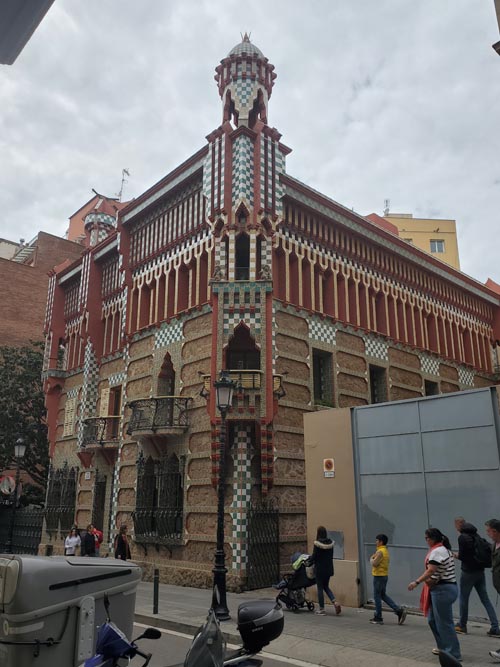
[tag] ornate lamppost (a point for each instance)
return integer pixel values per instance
(19, 452)
(224, 388)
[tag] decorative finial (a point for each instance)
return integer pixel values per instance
(245, 37)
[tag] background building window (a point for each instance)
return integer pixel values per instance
(322, 377)
(408, 240)
(431, 388)
(437, 245)
(378, 384)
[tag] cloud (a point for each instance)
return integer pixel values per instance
(377, 100)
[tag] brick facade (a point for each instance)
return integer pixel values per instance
(230, 263)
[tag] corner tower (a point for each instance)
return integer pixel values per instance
(243, 168)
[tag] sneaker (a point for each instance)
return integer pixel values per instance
(338, 608)
(435, 651)
(460, 631)
(495, 654)
(402, 615)
(493, 633)
(376, 621)
(320, 612)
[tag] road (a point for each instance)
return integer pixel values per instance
(171, 649)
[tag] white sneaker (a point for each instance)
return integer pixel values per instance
(495, 655)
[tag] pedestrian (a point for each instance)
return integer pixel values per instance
(88, 542)
(122, 548)
(493, 531)
(380, 572)
(72, 542)
(472, 575)
(98, 536)
(439, 592)
(322, 559)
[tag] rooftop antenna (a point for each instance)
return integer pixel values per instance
(387, 205)
(125, 172)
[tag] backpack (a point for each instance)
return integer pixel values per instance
(482, 551)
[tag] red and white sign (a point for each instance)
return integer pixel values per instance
(7, 485)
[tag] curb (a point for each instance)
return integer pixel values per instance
(179, 626)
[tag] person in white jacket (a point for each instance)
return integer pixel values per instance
(72, 543)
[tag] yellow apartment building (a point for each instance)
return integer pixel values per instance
(438, 237)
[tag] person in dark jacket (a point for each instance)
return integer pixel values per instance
(472, 576)
(493, 531)
(322, 558)
(88, 543)
(122, 549)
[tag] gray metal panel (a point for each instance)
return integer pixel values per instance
(462, 410)
(390, 454)
(453, 441)
(461, 449)
(392, 419)
(394, 505)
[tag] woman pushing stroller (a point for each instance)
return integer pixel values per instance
(322, 558)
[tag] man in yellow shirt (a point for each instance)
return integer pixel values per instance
(380, 571)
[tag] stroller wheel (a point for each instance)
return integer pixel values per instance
(310, 606)
(295, 609)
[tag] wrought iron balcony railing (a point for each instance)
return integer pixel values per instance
(247, 380)
(101, 430)
(158, 525)
(161, 412)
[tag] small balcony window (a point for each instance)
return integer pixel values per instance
(437, 245)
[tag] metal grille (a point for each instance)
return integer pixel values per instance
(61, 496)
(263, 534)
(99, 500)
(27, 530)
(98, 430)
(158, 517)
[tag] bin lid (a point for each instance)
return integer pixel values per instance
(35, 583)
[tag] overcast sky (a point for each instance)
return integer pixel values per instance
(396, 99)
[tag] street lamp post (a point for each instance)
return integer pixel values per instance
(19, 451)
(224, 388)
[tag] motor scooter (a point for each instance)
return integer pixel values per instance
(259, 622)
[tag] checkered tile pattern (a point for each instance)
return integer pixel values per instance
(167, 334)
(242, 174)
(321, 331)
(115, 480)
(466, 376)
(245, 92)
(207, 177)
(376, 347)
(242, 494)
(90, 391)
(280, 188)
(251, 319)
(117, 379)
(429, 365)
(73, 392)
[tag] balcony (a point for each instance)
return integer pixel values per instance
(247, 395)
(101, 431)
(160, 415)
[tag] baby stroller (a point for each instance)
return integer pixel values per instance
(292, 588)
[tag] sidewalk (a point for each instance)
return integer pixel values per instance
(333, 641)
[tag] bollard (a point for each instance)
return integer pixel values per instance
(156, 589)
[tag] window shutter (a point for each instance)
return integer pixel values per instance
(69, 416)
(104, 403)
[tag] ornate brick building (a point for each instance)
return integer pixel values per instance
(231, 263)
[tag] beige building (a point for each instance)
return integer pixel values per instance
(438, 237)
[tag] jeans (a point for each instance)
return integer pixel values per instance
(477, 580)
(323, 587)
(379, 594)
(440, 618)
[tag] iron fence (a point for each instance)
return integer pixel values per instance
(159, 516)
(263, 544)
(98, 430)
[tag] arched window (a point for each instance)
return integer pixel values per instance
(242, 353)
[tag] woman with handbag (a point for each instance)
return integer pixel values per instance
(322, 558)
(439, 592)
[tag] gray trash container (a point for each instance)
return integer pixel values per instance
(50, 607)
